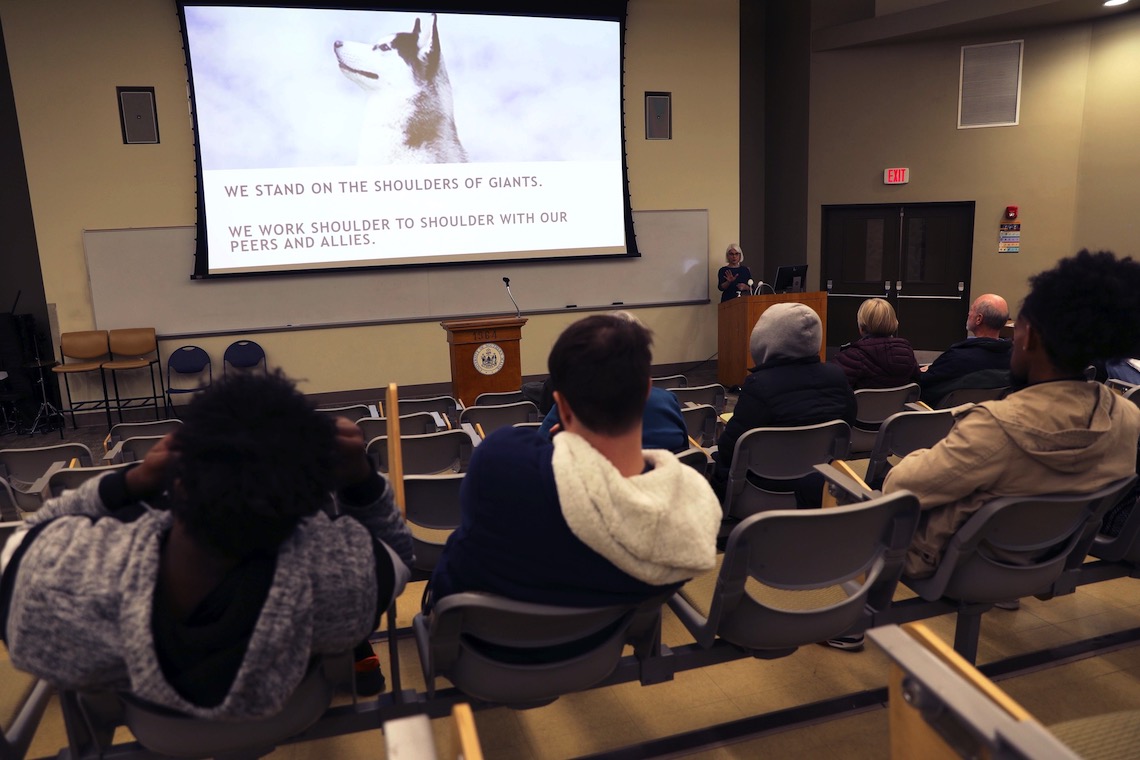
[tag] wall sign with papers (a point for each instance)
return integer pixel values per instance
(1009, 237)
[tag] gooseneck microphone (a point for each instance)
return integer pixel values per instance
(518, 311)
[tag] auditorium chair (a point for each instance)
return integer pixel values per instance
(351, 412)
(495, 398)
(91, 719)
(793, 577)
(491, 418)
(134, 429)
(1012, 547)
(670, 381)
(777, 455)
(701, 423)
(431, 504)
(71, 478)
(524, 654)
(872, 406)
(416, 423)
(445, 405)
(431, 453)
(22, 471)
(713, 394)
(902, 433)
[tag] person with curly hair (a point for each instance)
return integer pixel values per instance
(205, 578)
(1056, 432)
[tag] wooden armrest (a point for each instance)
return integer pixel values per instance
(440, 421)
(918, 406)
(465, 737)
(944, 652)
(695, 445)
(845, 483)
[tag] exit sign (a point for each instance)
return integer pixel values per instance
(898, 176)
(901, 176)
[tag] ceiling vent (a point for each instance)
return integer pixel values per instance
(989, 89)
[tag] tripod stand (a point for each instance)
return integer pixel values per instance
(47, 415)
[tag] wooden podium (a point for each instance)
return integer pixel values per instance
(484, 355)
(735, 319)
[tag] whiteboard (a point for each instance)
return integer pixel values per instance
(141, 276)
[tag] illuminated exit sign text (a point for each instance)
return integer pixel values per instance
(898, 176)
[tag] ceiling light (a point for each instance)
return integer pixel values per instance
(1110, 3)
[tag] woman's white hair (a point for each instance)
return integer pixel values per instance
(733, 247)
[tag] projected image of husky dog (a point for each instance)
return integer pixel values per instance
(408, 118)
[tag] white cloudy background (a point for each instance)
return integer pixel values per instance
(269, 92)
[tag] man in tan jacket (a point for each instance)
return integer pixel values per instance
(1058, 433)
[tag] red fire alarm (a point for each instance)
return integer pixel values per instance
(1011, 212)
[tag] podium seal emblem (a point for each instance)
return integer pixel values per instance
(489, 358)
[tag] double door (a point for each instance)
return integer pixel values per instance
(917, 256)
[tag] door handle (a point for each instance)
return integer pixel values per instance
(931, 298)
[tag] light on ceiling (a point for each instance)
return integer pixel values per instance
(1110, 3)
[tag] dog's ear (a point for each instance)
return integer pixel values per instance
(428, 41)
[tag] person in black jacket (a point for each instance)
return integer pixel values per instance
(789, 386)
(982, 351)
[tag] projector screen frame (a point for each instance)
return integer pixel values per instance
(608, 10)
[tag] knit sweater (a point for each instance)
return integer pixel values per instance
(76, 599)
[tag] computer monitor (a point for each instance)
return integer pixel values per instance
(791, 279)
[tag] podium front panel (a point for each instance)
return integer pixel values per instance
(735, 319)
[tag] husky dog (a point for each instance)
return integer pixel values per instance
(408, 118)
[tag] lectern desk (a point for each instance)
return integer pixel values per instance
(735, 319)
(484, 355)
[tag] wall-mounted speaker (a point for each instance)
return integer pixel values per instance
(658, 116)
(137, 115)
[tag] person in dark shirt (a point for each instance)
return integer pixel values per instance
(588, 519)
(982, 352)
(879, 358)
(732, 279)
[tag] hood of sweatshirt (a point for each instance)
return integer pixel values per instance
(659, 527)
(1060, 432)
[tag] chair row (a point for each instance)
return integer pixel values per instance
(113, 351)
(190, 369)
(767, 597)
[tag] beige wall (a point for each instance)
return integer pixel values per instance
(897, 106)
(67, 57)
(1108, 184)
(1070, 165)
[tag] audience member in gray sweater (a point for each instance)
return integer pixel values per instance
(205, 578)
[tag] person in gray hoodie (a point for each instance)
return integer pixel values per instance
(789, 386)
(206, 577)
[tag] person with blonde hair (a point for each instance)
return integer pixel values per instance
(732, 279)
(879, 358)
